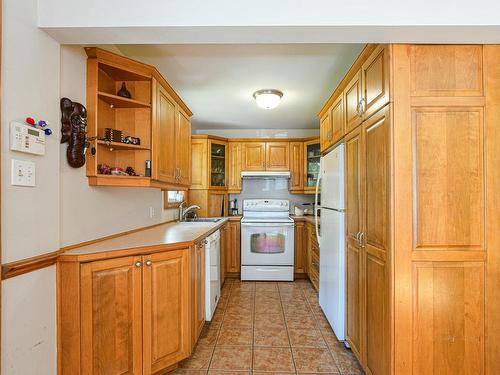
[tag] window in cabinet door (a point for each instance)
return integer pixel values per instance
(218, 165)
(313, 157)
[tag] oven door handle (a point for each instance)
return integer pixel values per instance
(268, 225)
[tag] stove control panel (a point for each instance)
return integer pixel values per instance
(266, 205)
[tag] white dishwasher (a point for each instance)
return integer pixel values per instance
(212, 274)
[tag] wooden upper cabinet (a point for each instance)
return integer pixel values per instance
(254, 156)
(167, 317)
(111, 317)
(375, 81)
(218, 164)
(352, 96)
(199, 161)
(325, 129)
(277, 158)
(296, 167)
(183, 148)
(164, 166)
(235, 164)
(337, 120)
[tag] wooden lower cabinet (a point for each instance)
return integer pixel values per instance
(198, 287)
(224, 246)
(127, 315)
(312, 255)
(166, 320)
(300, 264)
(233, 255)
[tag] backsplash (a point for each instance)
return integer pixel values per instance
(269, 188)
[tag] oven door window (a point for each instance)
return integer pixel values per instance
(268, 243)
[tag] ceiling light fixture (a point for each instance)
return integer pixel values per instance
(267, 98)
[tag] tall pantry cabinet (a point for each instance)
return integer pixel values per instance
(422, 208)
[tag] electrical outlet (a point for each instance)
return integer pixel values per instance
(22, 173)
(151, 212)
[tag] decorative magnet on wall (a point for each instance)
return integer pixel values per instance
(42, 125)
(74, 131)
(123, 92)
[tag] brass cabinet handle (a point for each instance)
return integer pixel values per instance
(138, 264)
(361, 239)
(149, 263)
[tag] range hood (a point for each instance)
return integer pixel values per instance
(265, 174)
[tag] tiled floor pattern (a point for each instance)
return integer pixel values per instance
(261, 328)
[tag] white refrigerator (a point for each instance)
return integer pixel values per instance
(331, 239)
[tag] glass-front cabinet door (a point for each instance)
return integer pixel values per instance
(218, 164)
(312, 157)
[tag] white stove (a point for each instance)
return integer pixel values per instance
(267, 240)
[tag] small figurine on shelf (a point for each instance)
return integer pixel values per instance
(132, 140)
(123, 92)
(104, 169)
(42, 125)
(130, 171)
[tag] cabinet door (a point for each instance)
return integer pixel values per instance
(277, 158)
(233, 254)
(325, 131)
(375, 241)
(296, 167)
(164, 133)
(199, 167)
(300, 247)
(352, 97)
(111, 326)
(183, 148)
(218, 164)
(235, 160)
(254, 156)
(224, 243)
(312, 156)
(353, 154)
(198, 290)
(375, 81)
(337, 119)
(217, 203)
(167, 318)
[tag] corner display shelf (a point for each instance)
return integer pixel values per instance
(116, 101)
(117, 146)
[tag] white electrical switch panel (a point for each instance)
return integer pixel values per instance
(26, 138)
(23, 173)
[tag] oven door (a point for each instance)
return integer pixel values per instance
(267, 244)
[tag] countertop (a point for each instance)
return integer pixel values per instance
(158, 238)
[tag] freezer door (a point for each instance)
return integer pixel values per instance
(332, 174)
(332, 270)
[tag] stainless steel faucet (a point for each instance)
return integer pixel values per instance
(184, 211)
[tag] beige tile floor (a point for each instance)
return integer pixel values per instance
(260, 328)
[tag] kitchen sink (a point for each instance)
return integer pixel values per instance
(203, 220)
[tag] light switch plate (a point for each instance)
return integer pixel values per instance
(23, 173)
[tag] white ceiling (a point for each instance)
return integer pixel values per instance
(217, 81)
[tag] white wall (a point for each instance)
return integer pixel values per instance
(62, 209)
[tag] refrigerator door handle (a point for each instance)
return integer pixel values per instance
(316, 208)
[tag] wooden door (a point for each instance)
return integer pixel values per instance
(296, 167)
(111, 323)
(352, 97)
(233, 254)
(354, 218)
(164, 168)
(183, 148)
(235, 150)
(224, 244)
(218, 164)
(167, 318)
(199, 164)
(277, 158)
(375, 242)
(375, 81)
(325, 131)
(337, 120)
(300, 263)
(254, 156)
(217, 203)
(198, 290)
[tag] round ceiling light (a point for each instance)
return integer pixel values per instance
(267, 98)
